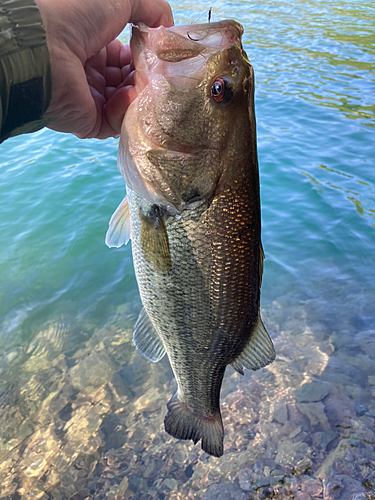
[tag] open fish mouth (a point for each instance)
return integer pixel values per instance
(156, 48)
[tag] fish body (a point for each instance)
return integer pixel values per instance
(189, 159)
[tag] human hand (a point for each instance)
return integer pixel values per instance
(92, 84)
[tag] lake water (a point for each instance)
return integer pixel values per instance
(81, 411)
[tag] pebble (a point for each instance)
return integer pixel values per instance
(305, 449)
(244, 478)
(170, 483)
(290, 453)
(337, 454)
(267, 481)
(315, 413)
(295, 432)
(302, 466)
(323, 439)
(313, 487)
(360, 408)
(224, 491)
(332, 489)
(312, 392)
(301, 495)
(280, 413)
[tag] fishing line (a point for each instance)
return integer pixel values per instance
(209, 20)
(199, 17)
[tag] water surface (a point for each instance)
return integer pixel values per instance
(81, 412)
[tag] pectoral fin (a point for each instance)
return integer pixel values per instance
(154, 241)
(258, 351)
(118, 233)
(146, 338)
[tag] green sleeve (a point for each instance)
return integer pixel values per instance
(25, 68)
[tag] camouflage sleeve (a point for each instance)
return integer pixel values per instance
(25, 69)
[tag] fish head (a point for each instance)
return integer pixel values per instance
(191, 117)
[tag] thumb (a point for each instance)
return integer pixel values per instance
(153, 13)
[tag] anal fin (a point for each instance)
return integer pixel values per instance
(258, 352)
(146, 339)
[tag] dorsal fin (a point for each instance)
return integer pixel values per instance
(261, 259)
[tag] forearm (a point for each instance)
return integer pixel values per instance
(25, 69)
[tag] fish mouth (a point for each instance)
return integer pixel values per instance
(174, 43)
(179, 51)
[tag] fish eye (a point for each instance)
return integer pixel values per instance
(221, 90)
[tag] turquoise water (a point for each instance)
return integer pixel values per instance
(81, 412)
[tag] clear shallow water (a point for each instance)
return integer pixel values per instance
(81, 411)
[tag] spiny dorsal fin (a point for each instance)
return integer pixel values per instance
(118, 233)
(258, 352)
(154, 242)
(146, 338)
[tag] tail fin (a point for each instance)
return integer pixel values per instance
(181, 423)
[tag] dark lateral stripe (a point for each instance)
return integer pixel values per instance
(25, 104)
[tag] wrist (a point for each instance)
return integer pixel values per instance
(25, 66)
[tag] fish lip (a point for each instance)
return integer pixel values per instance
(229, 27)
(202, 26)
(191, 36)
(200, 32)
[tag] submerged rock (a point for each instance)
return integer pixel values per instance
(312, 392)
(323, 439)
(224, 491)
(289, 453)
(313, 487)
(315, 413)
(89, 426)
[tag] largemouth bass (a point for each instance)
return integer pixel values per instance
(188, 156)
